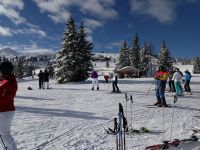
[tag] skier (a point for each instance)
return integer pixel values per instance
(106, 77)
(46, 78)
(114, 83)
(177, 77)
(161, 77)
(94, 77)
(186, 78)
(8, 89)
(41, 79)
(171, 82)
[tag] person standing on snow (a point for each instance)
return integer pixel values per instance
(161, 77)
(186, 78)
(41, 79)
(46, 78)
(177, 77)
(171, 82)
(115, 81)
(8, 89)
(94, 77)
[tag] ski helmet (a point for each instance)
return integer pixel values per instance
(6, 67)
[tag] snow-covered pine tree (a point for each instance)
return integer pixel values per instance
(73, 61)
(164, 56)
(67, 58)
(144, 59)
(85, 54)
(19, 67)
(123, 59)
(135, 53)
(196, 65)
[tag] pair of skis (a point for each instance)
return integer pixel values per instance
(168, 144)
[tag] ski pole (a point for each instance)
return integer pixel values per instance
(149, 89)
(175, 100)
(131, 99)
(116, 130)
(163, 122)
(126, 98)
(3, 144)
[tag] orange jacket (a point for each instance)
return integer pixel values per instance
(162, 75)
(8, 89)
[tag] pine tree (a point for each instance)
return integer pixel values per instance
(164, 56)
(124, 56)
(135, 53)
(85, 54)
(196, 65)
(73, 61)
(144, 59)
(66, 58)
(19, 67)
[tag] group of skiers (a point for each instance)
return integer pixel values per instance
(115, 88)
(43, 79)
(175, 77)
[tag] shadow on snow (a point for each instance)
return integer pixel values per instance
(59, 113)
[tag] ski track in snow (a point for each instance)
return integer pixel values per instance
(72, 117)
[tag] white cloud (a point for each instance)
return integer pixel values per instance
(34, 48)
(5, 31)
(35, 31)
(162, 10)
(91, 23)
(10, 9)
(27, 48)
(101, 8)
(113, 45)
(59, 10)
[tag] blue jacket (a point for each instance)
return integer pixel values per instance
(187, 76)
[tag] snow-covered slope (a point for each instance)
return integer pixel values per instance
(72, 117)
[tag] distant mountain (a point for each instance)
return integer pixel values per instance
(7, 52)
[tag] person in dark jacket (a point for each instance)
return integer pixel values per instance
(115, 81)
(171, 82)
(8, 89)
(46, 79)
(41, 79)
(186, 78)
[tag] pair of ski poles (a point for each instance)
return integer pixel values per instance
(131, 100)
(175, 100)
(120, 137)
(2, 143)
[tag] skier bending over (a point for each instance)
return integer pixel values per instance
(161, 77)
(8, 89)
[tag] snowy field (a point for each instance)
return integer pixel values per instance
(72, 117)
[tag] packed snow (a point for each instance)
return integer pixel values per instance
(73, 117)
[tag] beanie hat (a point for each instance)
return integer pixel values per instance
(6, 67)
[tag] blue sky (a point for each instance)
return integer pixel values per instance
(38, 25)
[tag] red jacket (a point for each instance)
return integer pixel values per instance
(8, 89)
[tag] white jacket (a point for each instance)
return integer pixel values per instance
(177, 77)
